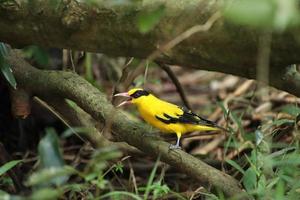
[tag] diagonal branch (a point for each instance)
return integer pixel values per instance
(71, 86)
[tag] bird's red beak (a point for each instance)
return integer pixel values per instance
(124, 94)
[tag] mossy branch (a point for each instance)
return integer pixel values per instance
(112, 29)
(69, 85)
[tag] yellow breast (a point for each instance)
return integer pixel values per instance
(152, 107)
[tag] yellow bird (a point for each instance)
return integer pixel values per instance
(167, 117)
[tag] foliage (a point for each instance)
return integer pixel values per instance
(4, 66)
(7, 166)
(264, 14)
(38, 54)
(261, 149)
(147, 20)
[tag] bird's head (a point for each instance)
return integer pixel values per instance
(135, 95)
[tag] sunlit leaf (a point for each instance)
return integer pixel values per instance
(258, 137)
(148, 19)
(286, 14)
(8, 166)
(258, 13)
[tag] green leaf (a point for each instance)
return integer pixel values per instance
(286, 14)
(280, 122)
(5, 196)
(250, 179)
(46, 194)
(151, 178)
(291, 109)
(115, 194)
(7, 166)
(47, 175)
(5, 67)
(235, 165)
(3, 49)
(159, 189)
(279, 192)
(50, 155)
(257, 13)
(38, 54)
(261, 185)
(148, 19)
(119, 167)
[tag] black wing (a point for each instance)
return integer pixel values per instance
(187, 117)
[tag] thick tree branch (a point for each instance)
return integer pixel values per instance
(112, 29)
(71, 86)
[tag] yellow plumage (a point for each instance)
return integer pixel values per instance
(167, 117)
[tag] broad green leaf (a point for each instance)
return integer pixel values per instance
(257, 13)
(279, 192)
(5, 67)
(148, 19)
(235, 165)
(50, 155)
(249, 179)
(261, 185)
(8, 166)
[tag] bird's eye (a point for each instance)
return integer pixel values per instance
(139, 93)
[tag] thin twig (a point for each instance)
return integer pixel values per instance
(177, 84)
(61, 118)
(172, 43)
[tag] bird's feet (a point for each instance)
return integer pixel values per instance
(176, 146)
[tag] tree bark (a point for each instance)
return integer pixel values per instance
(112, 29)
(69, 85)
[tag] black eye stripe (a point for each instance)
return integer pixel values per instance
(139, 93)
